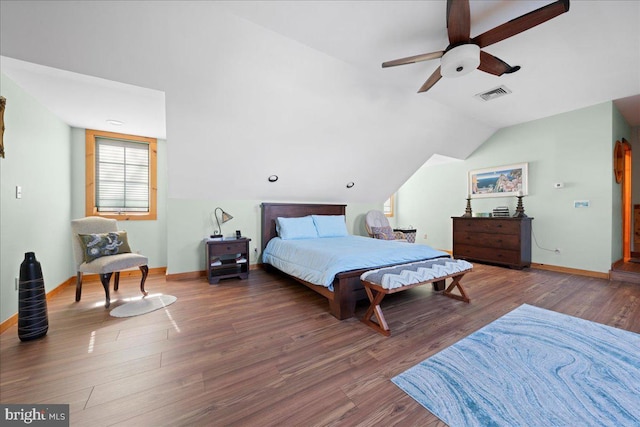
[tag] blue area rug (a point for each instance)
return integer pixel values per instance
(533, 367)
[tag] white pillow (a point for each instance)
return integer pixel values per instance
(330, 225)
(296, 228)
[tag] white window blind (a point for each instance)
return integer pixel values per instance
(122, 175)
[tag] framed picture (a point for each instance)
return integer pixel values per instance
(499, 181)
(3, 102)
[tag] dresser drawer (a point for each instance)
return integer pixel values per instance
(487, 240)
(225, 248)
(500, 256)
(489, 225)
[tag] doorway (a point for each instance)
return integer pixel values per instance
(622, 167)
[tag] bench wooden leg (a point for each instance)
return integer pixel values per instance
(375, 298)
(376, 293)
(456, 284)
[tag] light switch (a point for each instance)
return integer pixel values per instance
(18, 192)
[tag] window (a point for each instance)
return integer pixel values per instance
(120, 176)
(388, 207)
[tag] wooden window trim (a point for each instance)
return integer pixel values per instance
(90, 176)
(392, 210)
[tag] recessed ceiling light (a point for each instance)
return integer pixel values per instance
(350, 184)
(273, 178)
(115, 122)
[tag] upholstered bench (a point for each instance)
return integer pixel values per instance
(389, 280)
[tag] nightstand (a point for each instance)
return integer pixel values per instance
(226, 258)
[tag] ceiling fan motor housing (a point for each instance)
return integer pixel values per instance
(460, 60)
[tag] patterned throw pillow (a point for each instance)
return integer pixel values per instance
(98, 245)
(384, 233)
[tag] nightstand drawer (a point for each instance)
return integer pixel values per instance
(224, 248)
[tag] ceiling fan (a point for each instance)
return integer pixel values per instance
(463, 54)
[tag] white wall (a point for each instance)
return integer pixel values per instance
(46, 158)
(574, 148)
(37, 159)
(189, 221)
(147, 237)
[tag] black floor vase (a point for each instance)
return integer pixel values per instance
(33, 321)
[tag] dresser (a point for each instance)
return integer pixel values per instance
(503, 241)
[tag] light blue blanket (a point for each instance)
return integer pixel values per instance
(318, 260)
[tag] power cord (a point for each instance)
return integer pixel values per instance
(556, 250)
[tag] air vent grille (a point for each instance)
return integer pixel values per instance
(494, 93)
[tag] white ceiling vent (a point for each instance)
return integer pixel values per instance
(494, 93)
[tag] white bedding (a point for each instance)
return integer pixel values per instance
(318, 260)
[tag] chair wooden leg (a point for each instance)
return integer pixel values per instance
(145, 272)
(116, 281)
(78, 286)
(105, 278)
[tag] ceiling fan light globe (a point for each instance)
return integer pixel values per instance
(460, 60)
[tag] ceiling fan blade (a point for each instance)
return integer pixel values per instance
(494, 65)
(412, 59)
(458, 21)
(523, 23)
(433, 79)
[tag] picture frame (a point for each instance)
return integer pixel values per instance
(500, 181)
(3, 103)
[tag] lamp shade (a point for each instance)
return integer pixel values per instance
(224, 216)
(460, 60)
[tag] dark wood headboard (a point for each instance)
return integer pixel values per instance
(270, 211)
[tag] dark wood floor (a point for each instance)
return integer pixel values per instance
(632, 266)
(265, 352)
(626, 271)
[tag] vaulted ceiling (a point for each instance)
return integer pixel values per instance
(243, 90)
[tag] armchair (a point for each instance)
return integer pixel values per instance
(99, 248)
(378, 227)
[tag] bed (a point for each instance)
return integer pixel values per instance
(344, 288)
